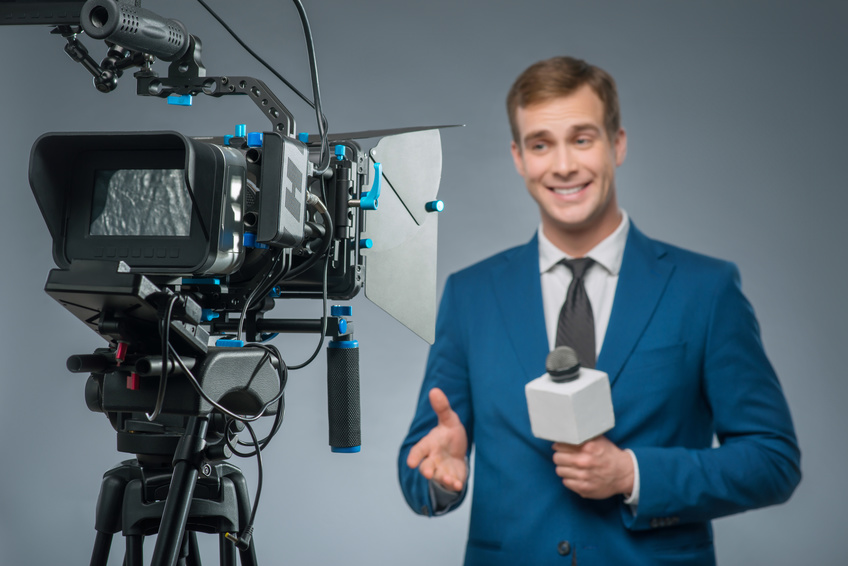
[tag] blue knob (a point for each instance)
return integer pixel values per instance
(366, 243)
(342, 326)
(208, 314)
(241, 130)
(254, 139)
(227, 139)
(341, 310)
(434, 206)
(368, 201)
(225, 343)
(180, 100)
(340, 151)
(250, 241)
(303, 137)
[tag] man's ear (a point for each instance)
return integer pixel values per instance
(620, 147)
(517, 158)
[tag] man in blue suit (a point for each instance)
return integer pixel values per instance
(702, 428)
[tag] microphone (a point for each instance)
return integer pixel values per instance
(135, 28)
(569, 403)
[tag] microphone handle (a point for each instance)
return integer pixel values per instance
(343, 407)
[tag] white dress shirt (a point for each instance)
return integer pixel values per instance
(600, 281)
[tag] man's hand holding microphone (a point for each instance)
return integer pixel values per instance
(573, 413)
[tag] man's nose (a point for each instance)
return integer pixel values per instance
(566, 162)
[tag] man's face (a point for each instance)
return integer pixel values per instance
(568, 163)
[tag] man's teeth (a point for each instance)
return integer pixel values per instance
(569, 191)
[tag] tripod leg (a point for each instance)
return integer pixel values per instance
(226, 551)
(193, 554)
(175, 515)
(108, 515)
(102, 546)
(135, 551)
(248, 557)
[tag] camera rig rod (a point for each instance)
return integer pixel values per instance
(281, 118)
(336, 326)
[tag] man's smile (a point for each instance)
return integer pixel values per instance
(566, 191)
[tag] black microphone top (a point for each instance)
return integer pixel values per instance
(135, 28)
(563, 364)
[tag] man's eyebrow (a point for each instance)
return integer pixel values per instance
(536, 134)
(575, 129)
(580, 128)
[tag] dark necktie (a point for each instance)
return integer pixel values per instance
(576, 326)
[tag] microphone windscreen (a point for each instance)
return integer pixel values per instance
(563, 364)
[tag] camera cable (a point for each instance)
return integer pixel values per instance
(242, 539)
(315, 103)
(164, 332)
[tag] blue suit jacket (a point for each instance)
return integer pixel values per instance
(685, 361)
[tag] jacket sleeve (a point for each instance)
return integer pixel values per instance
(447, 369)
(757, 462)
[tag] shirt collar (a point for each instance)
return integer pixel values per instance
(608, 253)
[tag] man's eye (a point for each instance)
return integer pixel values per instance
(583, 141)
(538, 146)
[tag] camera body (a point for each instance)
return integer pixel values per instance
(165, 203)
(165, 242)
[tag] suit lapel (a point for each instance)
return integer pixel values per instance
(518, 294)
(641, 283)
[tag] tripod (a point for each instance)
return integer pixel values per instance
(166, 393)
(139, 498)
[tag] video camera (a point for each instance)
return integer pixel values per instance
(164, 242)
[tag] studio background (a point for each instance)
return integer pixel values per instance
(736, 127)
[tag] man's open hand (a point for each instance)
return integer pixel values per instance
(440, 455)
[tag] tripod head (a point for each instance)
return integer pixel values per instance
(158, 362)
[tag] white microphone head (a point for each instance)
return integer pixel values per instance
(562, 364)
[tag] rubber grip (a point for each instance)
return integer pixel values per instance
(343, 409)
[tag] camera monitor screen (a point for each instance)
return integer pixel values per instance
(140, 202)
(158, 201)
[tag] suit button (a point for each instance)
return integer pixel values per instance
(564, 548)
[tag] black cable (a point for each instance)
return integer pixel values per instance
(328, 240)
(263, 284)
(328, 237)
(324, 161)
(256, 56)
(323, 319)
(244, 537)
(164, 332)
(277, 270)
(283, 373)
(324, 158)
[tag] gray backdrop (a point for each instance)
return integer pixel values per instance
(734, 112)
